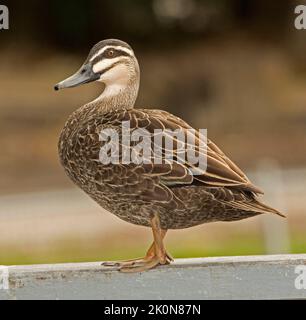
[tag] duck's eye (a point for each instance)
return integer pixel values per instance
(110, 53)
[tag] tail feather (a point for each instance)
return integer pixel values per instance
(267, 209)
(256, 206)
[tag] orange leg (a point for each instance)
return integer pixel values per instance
(156, 255)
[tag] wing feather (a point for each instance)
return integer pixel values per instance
(220, 171)
(153, 181)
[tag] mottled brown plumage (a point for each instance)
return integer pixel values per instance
(170, 192)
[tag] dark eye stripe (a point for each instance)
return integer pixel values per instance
(117, 53)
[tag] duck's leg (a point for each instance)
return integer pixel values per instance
(155, 255)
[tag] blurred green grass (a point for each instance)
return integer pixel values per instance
(73, 251)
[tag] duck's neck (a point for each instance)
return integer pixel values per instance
(115, 97)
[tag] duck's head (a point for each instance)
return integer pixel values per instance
(111, 62)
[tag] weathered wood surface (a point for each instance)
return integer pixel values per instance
(245, 277)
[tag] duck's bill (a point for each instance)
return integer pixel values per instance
(84, 75)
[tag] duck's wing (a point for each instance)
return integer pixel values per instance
(152, 181)
(220, 170)
(225, 181)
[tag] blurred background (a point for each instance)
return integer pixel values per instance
(235, 67)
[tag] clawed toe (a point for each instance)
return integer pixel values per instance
(138, 265)
(120, 264)
(110, 264)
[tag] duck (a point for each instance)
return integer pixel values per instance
(161, 195)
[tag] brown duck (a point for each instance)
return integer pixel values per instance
(167, 195)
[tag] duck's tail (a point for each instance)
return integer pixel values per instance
(256, 206)
(266, 209)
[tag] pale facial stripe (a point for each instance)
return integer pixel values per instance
(104, 65)
(101, 51)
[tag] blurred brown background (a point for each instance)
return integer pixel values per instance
(235, 67)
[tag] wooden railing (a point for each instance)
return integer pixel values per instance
(245, 277)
